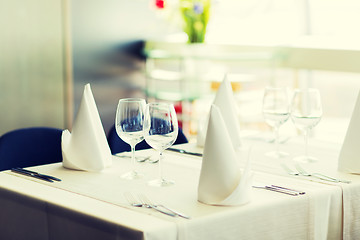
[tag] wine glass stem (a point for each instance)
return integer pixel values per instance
(306, 143)
(160, 165)
(133, 157)
(276, 132)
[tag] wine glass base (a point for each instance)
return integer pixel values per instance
(132, 175)
(161, 183)
(141, 159)
(305, 159)
(276, 154)
(153, 161)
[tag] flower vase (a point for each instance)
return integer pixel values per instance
(195, 14)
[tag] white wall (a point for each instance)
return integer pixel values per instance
(32, 77)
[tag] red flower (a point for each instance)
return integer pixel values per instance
(160, 4)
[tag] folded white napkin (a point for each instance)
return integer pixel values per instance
(225, 100)
(201, 130)
(350, 151)
(86, 148)
(221, 181)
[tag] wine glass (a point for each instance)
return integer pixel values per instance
(276, 112)
(160, 132)
(129, 122)
(306, 112)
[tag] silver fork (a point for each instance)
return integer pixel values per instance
(321, 176)
(146, 201)
(138, 158)
(148, 204)
(132, 200)
(288, 170)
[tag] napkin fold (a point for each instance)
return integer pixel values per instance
(225, 100)
(86, 147)
(349, 155)
(221, 180)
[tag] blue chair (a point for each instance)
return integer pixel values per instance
(117, 145)
(28, 147)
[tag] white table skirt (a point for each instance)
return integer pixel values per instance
(92, 205)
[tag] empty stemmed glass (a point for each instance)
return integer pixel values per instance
(276, 112)
(306, 112)
(129, 122)
(160, 132)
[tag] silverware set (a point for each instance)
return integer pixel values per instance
(300, 171)
(141, 200)
(280, 189)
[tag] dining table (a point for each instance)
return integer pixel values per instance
(94, 205)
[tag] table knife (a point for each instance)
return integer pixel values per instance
(31, 175)
(279, 189)
(185, 152)
(39, 174)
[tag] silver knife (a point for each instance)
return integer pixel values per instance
(279, 189)
(31, 175)
(39, 174)
(173, 211)
(185, 152)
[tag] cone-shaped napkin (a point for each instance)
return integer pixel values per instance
(350, 151)
(221, 181)
(86, 148)
(226, 102)
(201, 131)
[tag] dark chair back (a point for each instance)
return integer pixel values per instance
(30, 147)
(117, 145)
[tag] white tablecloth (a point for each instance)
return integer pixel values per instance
(92, 205)
(327, 154)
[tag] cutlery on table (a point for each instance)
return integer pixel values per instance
(137, 158)
(185, 152)
(37, 175)
(135, 203)
(288, 170)
(280, 189)
(321, 176)
(282, 140)
(301, 172)
(145, 200)
(288, 189)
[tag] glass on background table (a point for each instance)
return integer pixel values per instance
(306, 113)
(276, 112)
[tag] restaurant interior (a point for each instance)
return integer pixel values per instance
(66, 64)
